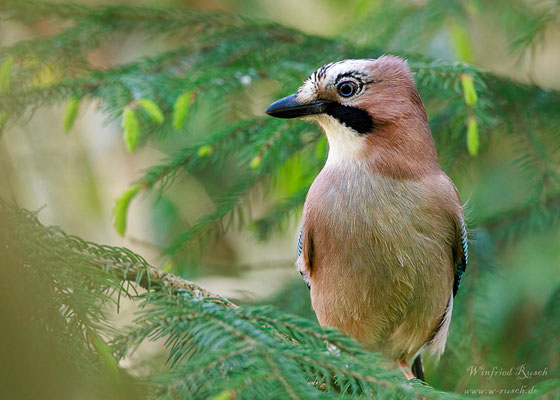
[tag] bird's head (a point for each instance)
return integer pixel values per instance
(365, 106)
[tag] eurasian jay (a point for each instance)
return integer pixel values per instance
(383, 244)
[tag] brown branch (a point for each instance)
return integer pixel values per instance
(152, 278)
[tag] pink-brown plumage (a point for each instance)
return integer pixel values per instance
(382, 223)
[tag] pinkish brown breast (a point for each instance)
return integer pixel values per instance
(380, 260)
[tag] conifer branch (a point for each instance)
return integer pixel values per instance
(206, 329)
(116, 261)
(533, 216)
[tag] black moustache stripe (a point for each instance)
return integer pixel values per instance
(353, 117)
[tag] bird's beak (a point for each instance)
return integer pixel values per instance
(289, 107)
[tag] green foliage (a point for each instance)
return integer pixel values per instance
(3, 120)
(6, 74)
(121, 209)
(205, 150)
(70, 114)
(180, 110)
(55, 303)
(106, 355)
(131, 128)
(217, 350)
(152, 109)
(546, 348)
(469, 90)
(473, 142)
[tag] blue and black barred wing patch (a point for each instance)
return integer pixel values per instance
(299, 250)
(461, 263)
(299, 244)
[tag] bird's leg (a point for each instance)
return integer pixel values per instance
(403, 365)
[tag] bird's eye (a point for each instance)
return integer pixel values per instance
(347, 89)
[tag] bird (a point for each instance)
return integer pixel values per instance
(383, 242)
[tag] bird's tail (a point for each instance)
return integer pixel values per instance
(418, 368)
(436, 346)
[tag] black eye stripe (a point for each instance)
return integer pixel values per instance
(353, 117)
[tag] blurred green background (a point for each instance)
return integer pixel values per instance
(74, 179)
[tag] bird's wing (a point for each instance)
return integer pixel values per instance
(299, 243)
(461, 255)
(460, 243)
(304, 249)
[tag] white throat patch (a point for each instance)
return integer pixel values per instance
(344, 143)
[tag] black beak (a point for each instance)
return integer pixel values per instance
(289, 107)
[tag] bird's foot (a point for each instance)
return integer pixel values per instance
(404, 367)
